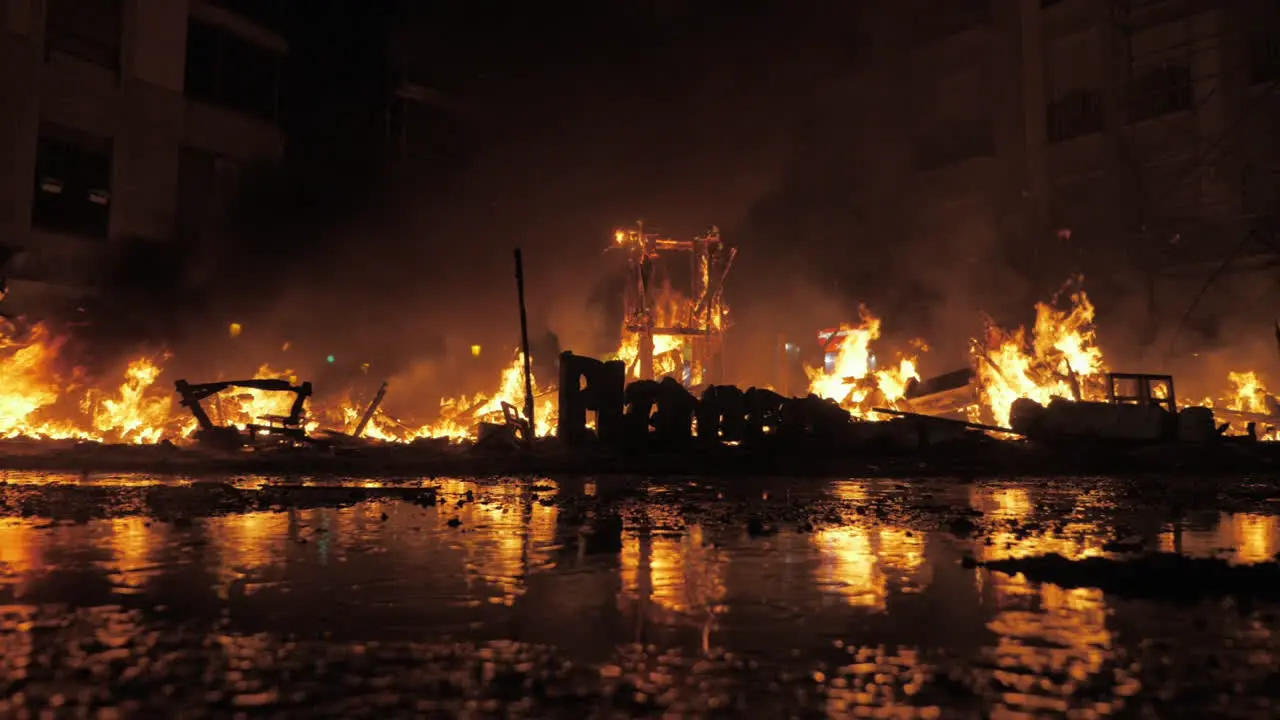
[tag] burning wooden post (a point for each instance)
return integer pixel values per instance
(369, 411)
(524, 348)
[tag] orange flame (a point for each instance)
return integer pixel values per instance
(852, 383)
(1059, 357)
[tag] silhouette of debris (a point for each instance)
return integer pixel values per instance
(1155, 576)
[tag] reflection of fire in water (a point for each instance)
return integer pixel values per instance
(1255, 538)
(1075, 541)
(900, 550)
(685, 575)
(521, 538)
(1051, 641)
(849, 564)
(247, 542)
(879, 684)
(854, 559)
(679, 574)
(19, 555)
(132, 541)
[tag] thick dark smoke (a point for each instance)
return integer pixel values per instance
(294, 228)
(682, 114)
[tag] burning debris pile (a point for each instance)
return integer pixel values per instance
(664, 380)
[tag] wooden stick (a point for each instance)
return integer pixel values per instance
(524, 347)
(369, 411)
(950, 421)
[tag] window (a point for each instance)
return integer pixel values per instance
(956, 142)
(1160, 91)
(85, 29)
(1076, 114)
(1264, 58)
(73, 182)
(936, 20)
(228, 70)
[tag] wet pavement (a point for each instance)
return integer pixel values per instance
(506, 597)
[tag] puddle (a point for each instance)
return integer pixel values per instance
(490, 600)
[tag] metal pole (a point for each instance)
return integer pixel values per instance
(524, 347)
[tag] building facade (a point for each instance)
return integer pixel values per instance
(1118, 138)
(124, 120)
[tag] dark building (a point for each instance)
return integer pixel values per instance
(1121, 138)
(137, 120)
(123, 119)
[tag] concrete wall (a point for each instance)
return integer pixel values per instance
(141, 108)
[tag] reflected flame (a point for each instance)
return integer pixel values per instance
(132, 540)
(18, 551)
(1255, 537)
(849, 564)
(684, 573)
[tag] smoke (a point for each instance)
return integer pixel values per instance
(398, 268)
(1206, 331)
(303, 243)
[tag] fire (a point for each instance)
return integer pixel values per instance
(671, 354)
(1247, 393)
(460, 415)
(133, 416)
(852, 382)
(1060, 358)
(1057, 357)
(29, 389)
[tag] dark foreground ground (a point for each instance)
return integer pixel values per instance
(133, 597)
(897, 455)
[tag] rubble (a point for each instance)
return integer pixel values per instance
(1165, 577)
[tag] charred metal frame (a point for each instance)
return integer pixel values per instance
(704, 326)
(289, 426)
(1144, 394)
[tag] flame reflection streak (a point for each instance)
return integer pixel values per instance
(521, 535)
(1074, 541)
(878, 683)
(686, 574)
(132, 541)
(247, 543)
(19, 552)
(1051, 643)
(682, 575)
(848, 563)
(1255, 537)
(1251, 538)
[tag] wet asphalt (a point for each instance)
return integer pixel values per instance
(135, 596)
